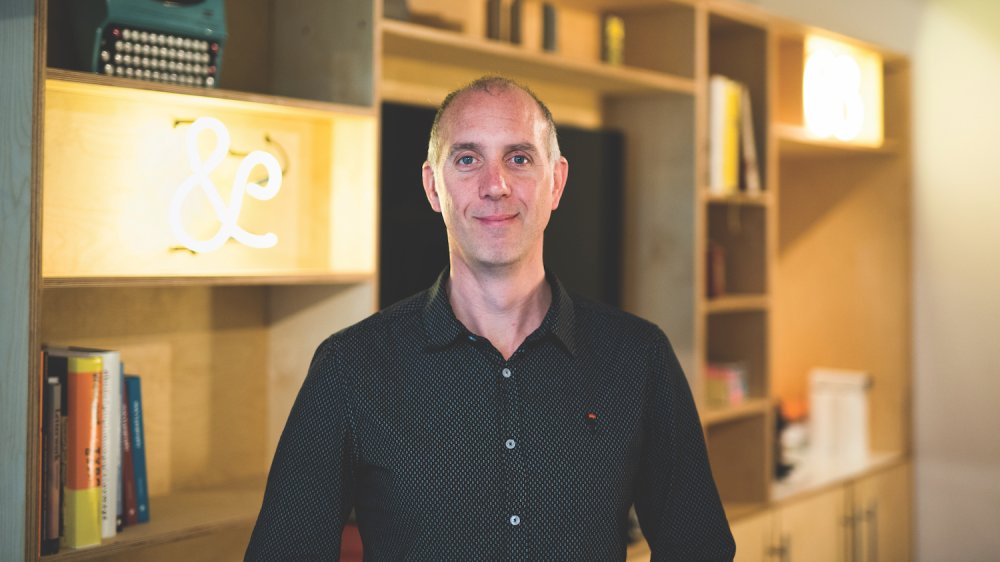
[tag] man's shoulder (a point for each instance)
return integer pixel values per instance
(401, 317)
(596, 319)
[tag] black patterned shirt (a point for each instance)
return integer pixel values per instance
(446, 451)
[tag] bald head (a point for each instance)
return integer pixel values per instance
(493, 85)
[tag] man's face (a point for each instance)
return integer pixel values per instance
(496, 185)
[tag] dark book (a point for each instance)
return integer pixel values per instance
(515, 22)
(122, 409)
(130, 509)
(52, 443)
(550, 39)
(133, 388)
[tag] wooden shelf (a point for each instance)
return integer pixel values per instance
(751, 407)
(302, 278)
(603, 5)
(763, 199)
(433, 46)
(298, 104)
(177, 517)
(736, 303)
(795, 141)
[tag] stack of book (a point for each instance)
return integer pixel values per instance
(93, 473)
(726, 384)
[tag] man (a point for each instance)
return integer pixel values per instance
(493, 416)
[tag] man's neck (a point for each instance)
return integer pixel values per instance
(503, 305)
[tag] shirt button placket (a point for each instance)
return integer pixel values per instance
(510, 425)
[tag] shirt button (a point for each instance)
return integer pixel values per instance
(511, 443)
(506, 373)
(515, 520)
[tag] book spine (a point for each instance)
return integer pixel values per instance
(138, 447)
(514, 20)
(748, 146)
(51, 461)
(725, 100)
(121, 409)
(110, 439)
(731, 139)
(82, 488)
(550, 29)
(129, 506)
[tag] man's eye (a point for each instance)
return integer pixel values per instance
(466, 160)
(520, 159)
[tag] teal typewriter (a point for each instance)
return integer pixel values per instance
(174, 42)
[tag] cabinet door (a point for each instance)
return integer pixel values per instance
(812, 529)
(754, 538)
(882, 509)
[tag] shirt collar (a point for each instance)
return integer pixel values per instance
(441, 328)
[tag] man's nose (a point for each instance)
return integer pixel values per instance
(494, 185)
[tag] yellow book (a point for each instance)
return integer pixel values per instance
(725, 102)
(82, 487)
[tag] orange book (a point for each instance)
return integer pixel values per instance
(82, 488)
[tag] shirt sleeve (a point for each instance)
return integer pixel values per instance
(310, 485)
(676, 500)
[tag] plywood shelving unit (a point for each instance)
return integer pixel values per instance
(817, 263)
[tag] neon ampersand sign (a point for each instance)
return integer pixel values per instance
(228, 213)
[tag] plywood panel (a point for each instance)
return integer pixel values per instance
(117, 159)
(754, 539)
(660, 39)
(659, 232)
(17, 266)
(739, 453)
(811, 528)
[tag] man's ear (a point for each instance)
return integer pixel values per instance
(560, 173)
(430, 186)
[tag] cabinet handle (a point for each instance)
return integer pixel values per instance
(848, 522)
(858, 534)
(871, 518)
(781, 551)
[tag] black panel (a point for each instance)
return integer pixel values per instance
(582, 242)
(414, 247)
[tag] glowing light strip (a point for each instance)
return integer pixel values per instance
(228, 214)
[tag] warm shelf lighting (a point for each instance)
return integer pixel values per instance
(842, 92)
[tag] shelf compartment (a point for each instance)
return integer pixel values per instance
(436, 47)
(741, 337)
(738, 49)
(178, 517)
(737, 236)
(116, 158)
